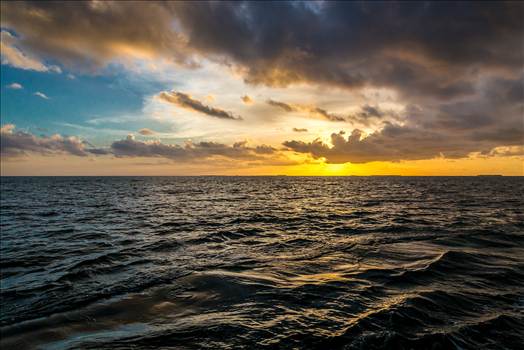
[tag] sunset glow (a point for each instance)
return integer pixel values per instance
(304, 175)
(186, 95)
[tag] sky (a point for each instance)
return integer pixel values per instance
(262, 88)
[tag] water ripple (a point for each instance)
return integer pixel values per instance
(262, 262)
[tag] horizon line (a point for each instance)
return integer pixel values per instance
(218, 175)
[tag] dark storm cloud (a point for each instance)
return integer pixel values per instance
(497, 110)
(426, 48)
(186, 101)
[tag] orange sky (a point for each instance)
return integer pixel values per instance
(68, 165)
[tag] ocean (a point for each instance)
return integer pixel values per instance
(262, 262)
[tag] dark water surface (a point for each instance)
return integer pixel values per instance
(262, 262)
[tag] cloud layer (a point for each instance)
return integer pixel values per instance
(424, 49)
(452, 130)
(455, 68)
(430, 48)
(18, 144)
(188, 152)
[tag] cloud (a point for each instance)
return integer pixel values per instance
(41, 94)
(367, 113)
(455, 129)
(456, 67)
(284, 106)
(146, 132)
(362, 116)
(91, 34)
(380, 146)
(370, 111)
(18, 143)
(420, 50)
(188, 152)
(14, 86)
(507, 151)
(396, 143)
(7, 128)
(424, 49)
(13, 56)
(247, 100)
(185, 101)
(412, 48)
(299, 129)
(311, 110)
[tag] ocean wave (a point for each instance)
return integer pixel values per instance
(262, 262)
